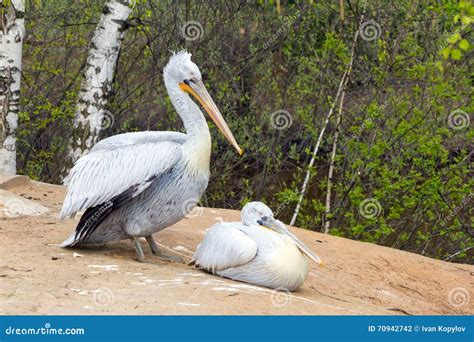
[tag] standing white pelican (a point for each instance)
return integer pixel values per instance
(259, 250)
(135, 184)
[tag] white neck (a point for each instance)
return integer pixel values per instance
(192, 117)
(198, 135)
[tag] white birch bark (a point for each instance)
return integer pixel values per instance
(340, 89)
(99, 74)
(12, 32)
(326, 221)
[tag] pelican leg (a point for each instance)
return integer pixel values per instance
(156, 250)
(138, 249)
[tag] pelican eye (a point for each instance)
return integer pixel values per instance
(189, 81)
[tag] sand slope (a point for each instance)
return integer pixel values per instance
(38, 277)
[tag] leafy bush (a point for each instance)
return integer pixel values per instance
(403, 174)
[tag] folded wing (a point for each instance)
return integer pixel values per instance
(224, 246)
(125, 163)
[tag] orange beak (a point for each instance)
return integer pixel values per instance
(198, 91)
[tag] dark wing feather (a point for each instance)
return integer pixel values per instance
(94, 216)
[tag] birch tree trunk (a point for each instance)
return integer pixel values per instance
(91, 116)
(341, 88)
(12, 32)
(326, 220)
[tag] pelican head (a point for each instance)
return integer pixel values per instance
(183, 72)
(260, 214)
(252, 212)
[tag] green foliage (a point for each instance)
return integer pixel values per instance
(397, 144)
(458, 44)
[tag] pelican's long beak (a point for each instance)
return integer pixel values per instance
(281, 228)
(197, 89)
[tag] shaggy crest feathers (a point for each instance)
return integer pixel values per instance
(178, 58)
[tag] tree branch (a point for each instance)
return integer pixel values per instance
(342, 85)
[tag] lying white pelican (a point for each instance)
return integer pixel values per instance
(269, 256)
(135, 184)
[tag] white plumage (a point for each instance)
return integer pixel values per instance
(225, 246)
(135, 184)
(246, 251)
(109, 170)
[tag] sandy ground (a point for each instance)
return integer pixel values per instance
(38, 277)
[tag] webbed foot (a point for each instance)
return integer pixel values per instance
(157, 251)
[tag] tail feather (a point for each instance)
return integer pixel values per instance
(69, 242)
(94, 216)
